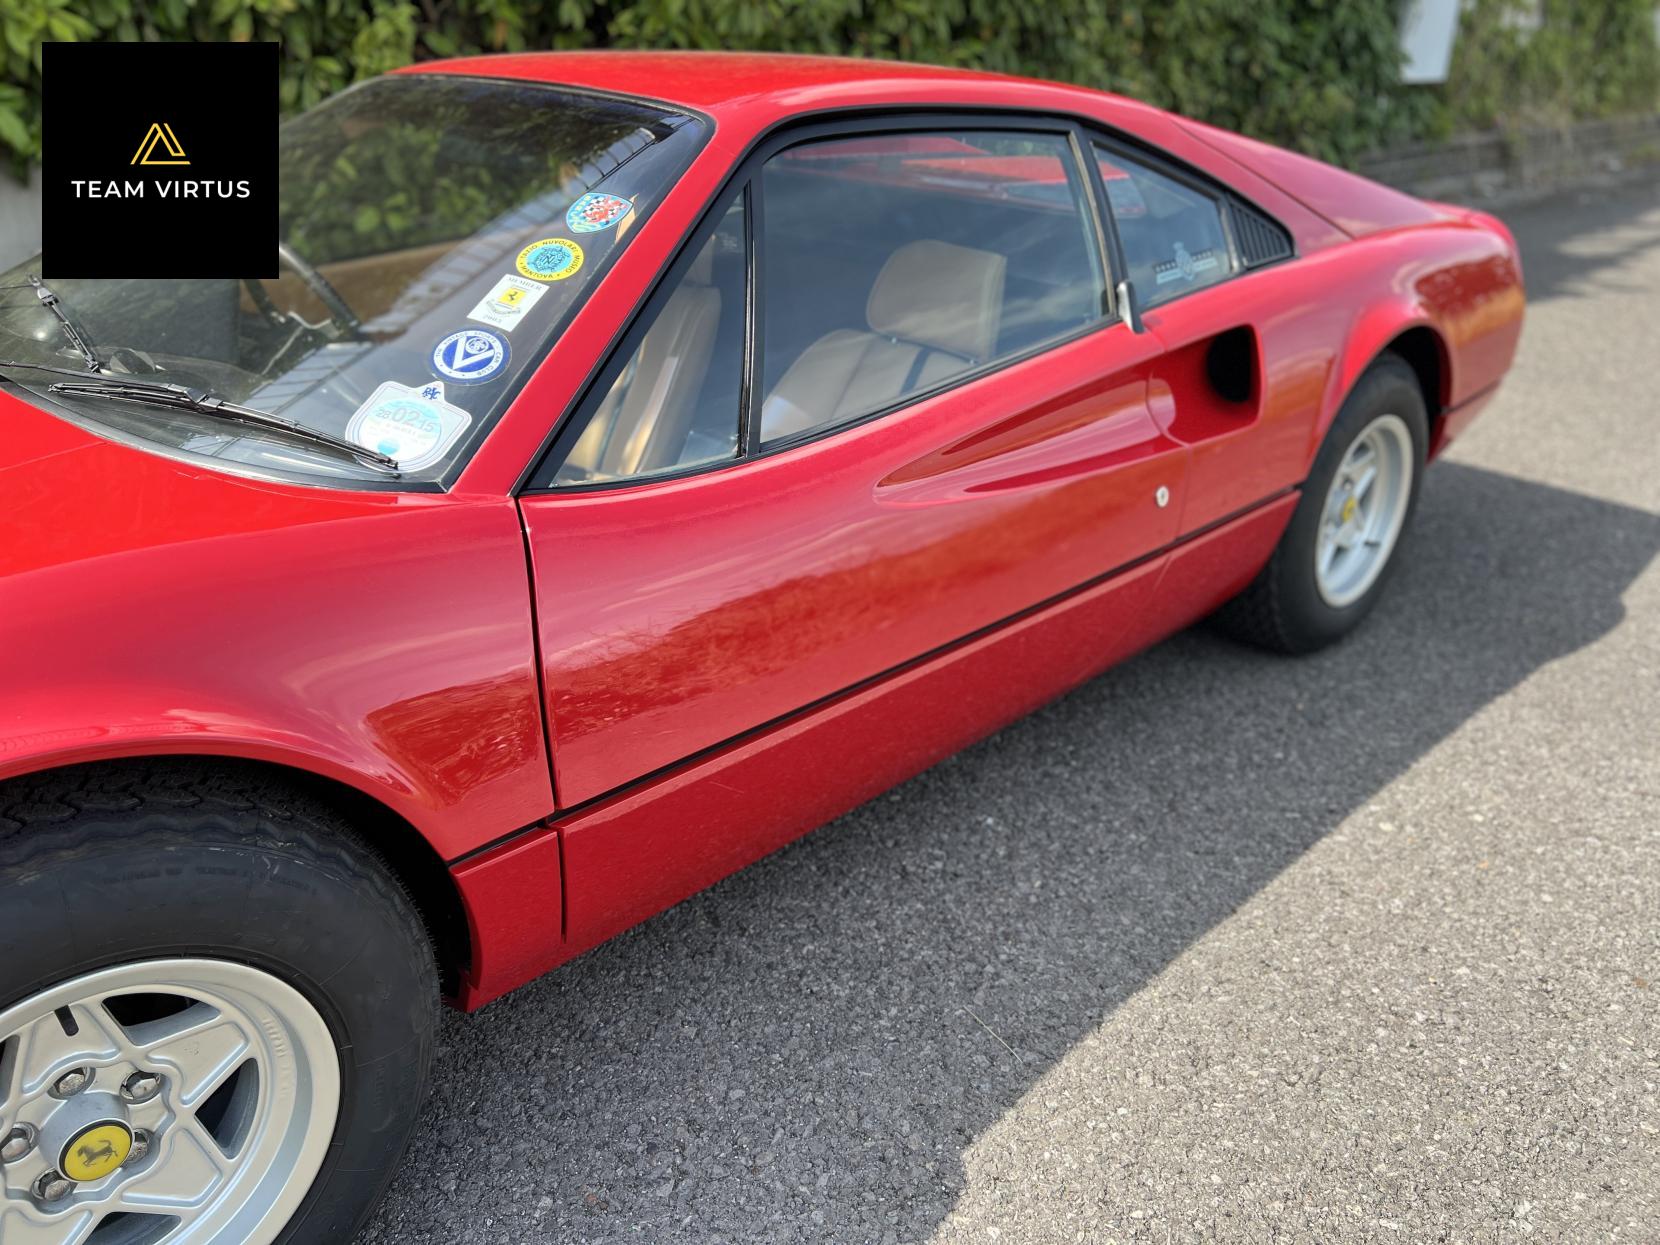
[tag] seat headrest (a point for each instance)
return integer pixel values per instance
(940, 295)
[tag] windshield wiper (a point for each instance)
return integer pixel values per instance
(179, 397)
(77, 338)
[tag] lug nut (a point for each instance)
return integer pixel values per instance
(142, 1141)
(53, 1187)
(18, 1143)
(72, 1082)
(141, 1086)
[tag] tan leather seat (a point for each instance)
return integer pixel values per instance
(933, 311)
(641, 425)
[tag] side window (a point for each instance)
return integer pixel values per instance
(891, 263)
(673, 403)
(1172, 233)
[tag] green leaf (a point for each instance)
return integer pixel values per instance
(14, 133)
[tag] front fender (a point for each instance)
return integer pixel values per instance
(390, 651)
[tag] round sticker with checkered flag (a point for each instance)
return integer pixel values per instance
(595, 211)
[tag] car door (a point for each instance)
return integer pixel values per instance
(875, 407)
(1229, 382)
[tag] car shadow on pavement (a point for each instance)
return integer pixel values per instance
(806, 1051)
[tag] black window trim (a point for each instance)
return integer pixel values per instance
(1081, 132)
(749, 423)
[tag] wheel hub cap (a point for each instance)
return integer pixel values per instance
(88, 1137)
(207, 1100)
(96, 1151)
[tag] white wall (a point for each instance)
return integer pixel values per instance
(1428, 29)
(19, 219)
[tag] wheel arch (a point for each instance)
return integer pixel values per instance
(407, 854)
(1425, 352)
(1408, 335)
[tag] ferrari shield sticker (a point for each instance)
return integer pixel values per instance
(551, 259)
(506, 303)
(471, 356)
(1185, 265)
(595, 211)
(411, 423)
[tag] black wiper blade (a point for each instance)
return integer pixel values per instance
(54, 304)
(179, 397)
(45, 367)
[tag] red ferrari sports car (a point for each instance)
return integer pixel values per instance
(640, 460)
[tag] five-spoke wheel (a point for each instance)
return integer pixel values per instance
(182, 1100)
(1365, 510)
(217, 1008)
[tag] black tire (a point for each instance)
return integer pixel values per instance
(1282, 609)
(110, 864)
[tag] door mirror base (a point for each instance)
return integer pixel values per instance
(1128, 310)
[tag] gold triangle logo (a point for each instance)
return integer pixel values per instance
(162, 133)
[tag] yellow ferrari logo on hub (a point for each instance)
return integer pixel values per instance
(1349, 508)
(96, 1151)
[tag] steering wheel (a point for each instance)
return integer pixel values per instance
(340, 311)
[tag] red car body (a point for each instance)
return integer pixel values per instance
(561, 713)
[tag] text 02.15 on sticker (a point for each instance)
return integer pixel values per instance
(411, 423)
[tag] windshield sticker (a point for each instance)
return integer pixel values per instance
(411, 423)
(1185, 266)
(595, 211)
(506, 303)
(551, 259)
(471, 356)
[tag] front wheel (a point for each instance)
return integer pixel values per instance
(217, 1009)
(1330, 566)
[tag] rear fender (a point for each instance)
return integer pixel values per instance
(1376, 329)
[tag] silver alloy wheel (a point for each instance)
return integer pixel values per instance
(223, 1152)
(1364, 512)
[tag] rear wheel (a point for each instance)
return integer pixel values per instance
(217, 1010)
(1330, 566)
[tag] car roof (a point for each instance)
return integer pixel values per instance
(734, 84)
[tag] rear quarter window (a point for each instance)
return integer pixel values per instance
(1171, 232)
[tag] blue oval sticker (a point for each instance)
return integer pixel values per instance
(470, 356)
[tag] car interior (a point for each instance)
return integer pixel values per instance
(884, 274)
(675, 402)
(933, 310)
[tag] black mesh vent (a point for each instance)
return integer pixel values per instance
(1261, 241)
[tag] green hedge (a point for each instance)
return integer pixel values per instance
(1595, 58)
(1319, 75)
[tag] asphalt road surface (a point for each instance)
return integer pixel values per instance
(1360, 947)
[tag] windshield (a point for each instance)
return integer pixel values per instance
(434, 231)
